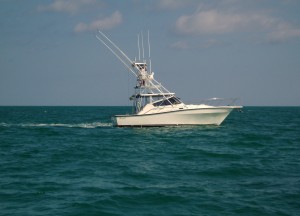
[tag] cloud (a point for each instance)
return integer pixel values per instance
(282, 32)
(69, 6)
(105, 23)
(204, 44)
(180, 45)
(174, 4)
(211, 43)
(211, 22)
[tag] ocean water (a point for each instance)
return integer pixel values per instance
(71, 161)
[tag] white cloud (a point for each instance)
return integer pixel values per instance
(69, 6)
(282, 32)
(213, 21)
(174, 4)
(204, 44)
(181, 45)
(211, 43)
(105, 23)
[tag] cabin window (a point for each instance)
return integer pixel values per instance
(166, 102)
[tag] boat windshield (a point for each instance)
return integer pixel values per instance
(167, 101)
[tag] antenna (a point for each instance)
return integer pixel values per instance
(149, 45)
(143, 45)
(149, 51)
(139, 46)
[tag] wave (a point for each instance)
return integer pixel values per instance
(79, 125)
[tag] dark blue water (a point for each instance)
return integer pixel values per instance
(71, 161)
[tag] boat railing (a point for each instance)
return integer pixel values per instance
(222, 102)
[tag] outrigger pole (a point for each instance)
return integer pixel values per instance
(149, 51)
(139, 47)
(114, 52)
(127, 62)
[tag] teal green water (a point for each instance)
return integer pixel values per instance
(71, 161)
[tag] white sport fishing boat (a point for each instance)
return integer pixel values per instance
(153, 104)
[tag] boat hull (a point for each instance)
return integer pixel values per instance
(207, 116)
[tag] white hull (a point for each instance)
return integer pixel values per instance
(201, 116)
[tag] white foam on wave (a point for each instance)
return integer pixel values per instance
(79, 125)
(2, 124)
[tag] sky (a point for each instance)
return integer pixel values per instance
(247, 49)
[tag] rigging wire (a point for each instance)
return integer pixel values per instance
(143, 45)
(139, 47)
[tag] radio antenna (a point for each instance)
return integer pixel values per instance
(149, 50)
(149, 45)
(139, 47)
(143, 45)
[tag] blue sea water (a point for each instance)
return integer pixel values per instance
(71, 161)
